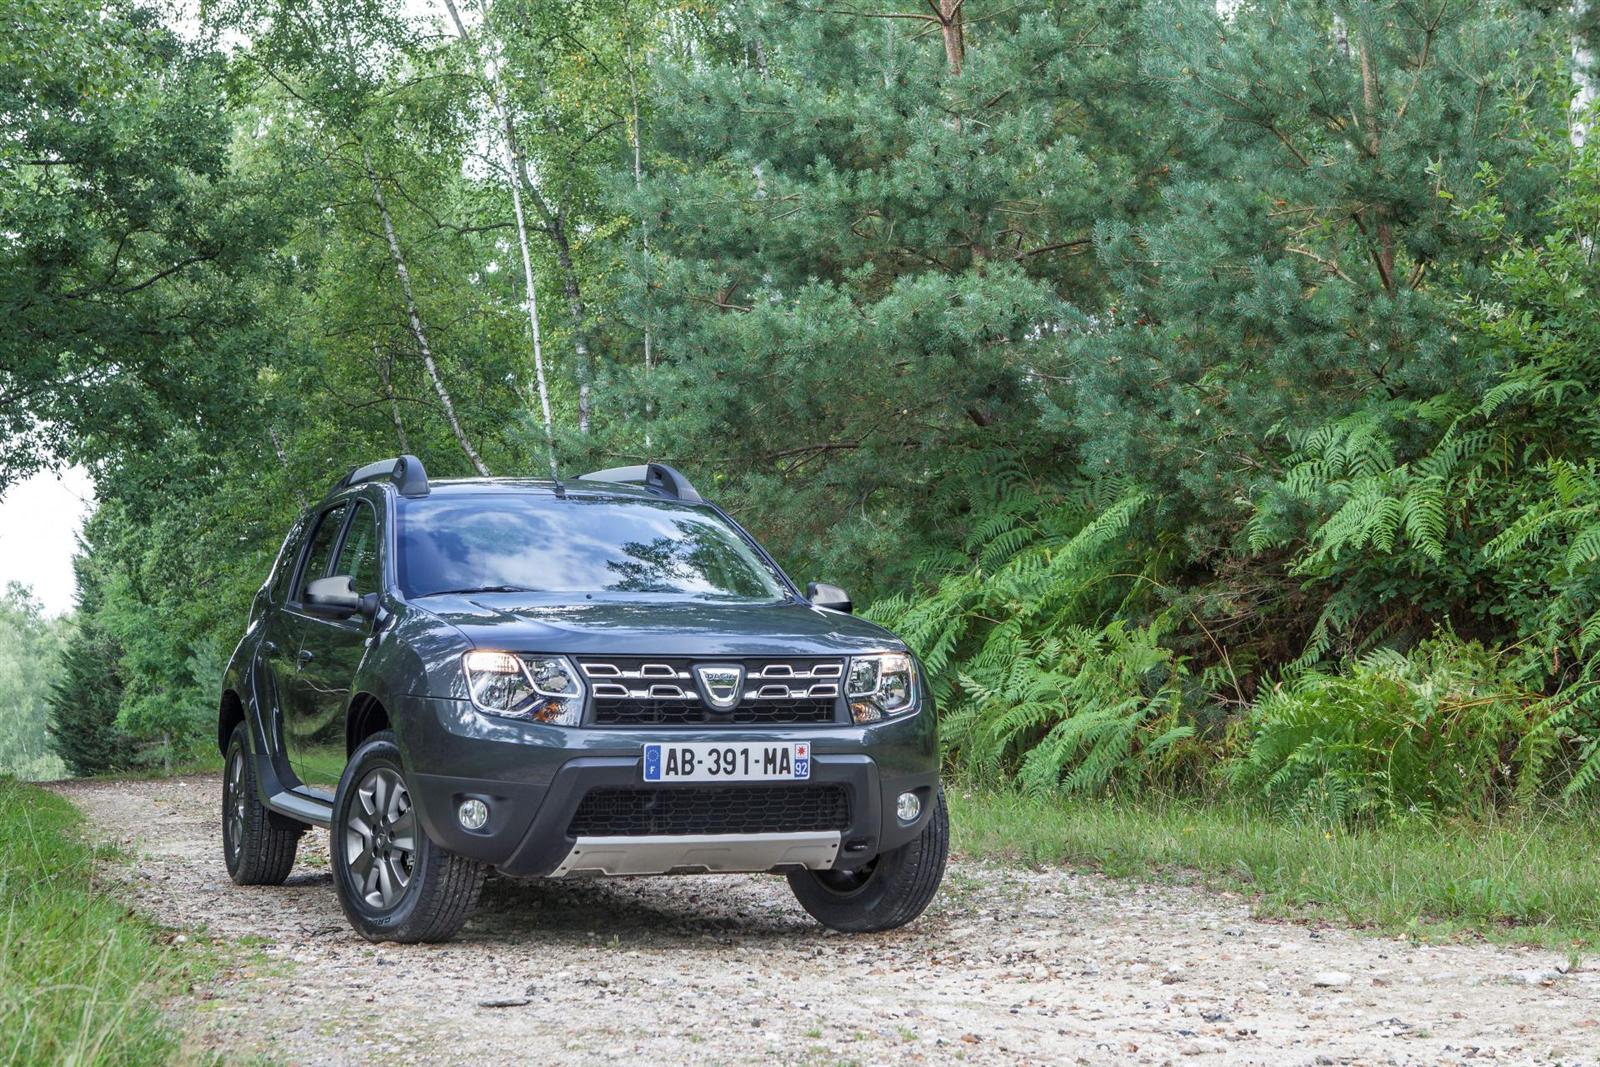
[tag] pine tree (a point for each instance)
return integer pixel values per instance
(1305, 259)
(87, 694)
(867, 237)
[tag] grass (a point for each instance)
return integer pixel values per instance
(81, 978)
(1532, 879)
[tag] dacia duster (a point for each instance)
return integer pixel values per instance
(603, 675)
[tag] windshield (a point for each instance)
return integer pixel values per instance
(538, 542)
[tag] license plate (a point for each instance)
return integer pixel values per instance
(708, 761)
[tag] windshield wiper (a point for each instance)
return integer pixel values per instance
(481, 589)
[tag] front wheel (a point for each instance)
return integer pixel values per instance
(393, 883)
(889, 891)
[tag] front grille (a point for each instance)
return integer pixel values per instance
(768, 809)
(637, 691)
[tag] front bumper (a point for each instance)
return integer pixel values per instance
(533, 778)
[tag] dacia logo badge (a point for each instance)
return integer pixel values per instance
(722, 686)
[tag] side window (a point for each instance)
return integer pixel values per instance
(283, 570)
(321, 553)
(359, 556)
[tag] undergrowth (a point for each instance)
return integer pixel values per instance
(81, 979)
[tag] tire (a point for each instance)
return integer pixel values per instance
(257, 844)
(390, 892)
(889, 892)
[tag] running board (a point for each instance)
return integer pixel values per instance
(711, 853)
(298, 806)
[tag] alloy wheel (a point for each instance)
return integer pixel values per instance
(380, 843)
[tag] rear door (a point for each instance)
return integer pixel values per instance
(331, 651)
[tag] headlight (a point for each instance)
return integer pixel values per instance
(535, 688)
(879, 687)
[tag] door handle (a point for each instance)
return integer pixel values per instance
(306, 656)
(269, 648)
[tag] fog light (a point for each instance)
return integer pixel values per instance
(908, 807)
(474, 814)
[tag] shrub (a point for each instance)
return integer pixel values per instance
(1446, 729)
(1036, 654)
(1077, 709)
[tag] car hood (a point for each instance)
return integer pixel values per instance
(694, 628)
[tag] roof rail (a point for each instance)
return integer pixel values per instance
(657, 476)
(406, 472)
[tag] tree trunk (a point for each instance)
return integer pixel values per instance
(283, 461)
(955, 38)
(418, 330)
(1383, 254)
(554, 222)
(388, 391)
(644, 247)
(510, 159)
(1582, 79)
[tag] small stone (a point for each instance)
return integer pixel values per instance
(1537, 977)
(1330, 979)
(504, 1002)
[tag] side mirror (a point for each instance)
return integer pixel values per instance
(823, 595)
(336, 598)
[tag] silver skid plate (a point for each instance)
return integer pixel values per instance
(700, 852)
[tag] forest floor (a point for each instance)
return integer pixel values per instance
(1011, 965)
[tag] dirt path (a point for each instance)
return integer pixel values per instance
(1011, 966)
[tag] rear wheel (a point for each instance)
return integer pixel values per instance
(257, 845)
(394, 884)
(889, 891)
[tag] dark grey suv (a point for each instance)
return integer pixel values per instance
(599, 676)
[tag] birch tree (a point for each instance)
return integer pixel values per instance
(515, 179)
(414, 318)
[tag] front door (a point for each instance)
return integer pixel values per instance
(296, 689)
(280, 640)
(329, 654)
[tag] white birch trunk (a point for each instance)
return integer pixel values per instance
(644, 245)
(497, 101)
(1582, 80)
(418, 330)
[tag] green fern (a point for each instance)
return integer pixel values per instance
(1033, 679)
(1445, 729)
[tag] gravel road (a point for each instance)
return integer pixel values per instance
(1010, 966)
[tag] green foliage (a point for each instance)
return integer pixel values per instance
(1079, 710)
(1139, 361)
(130, 248)
(86, 696)
(30, 646)
(1032, 673)
(84, 702)
(1443, 731)
(1475, 504)
(1289, 275)
(863, 264)
(82, 980)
